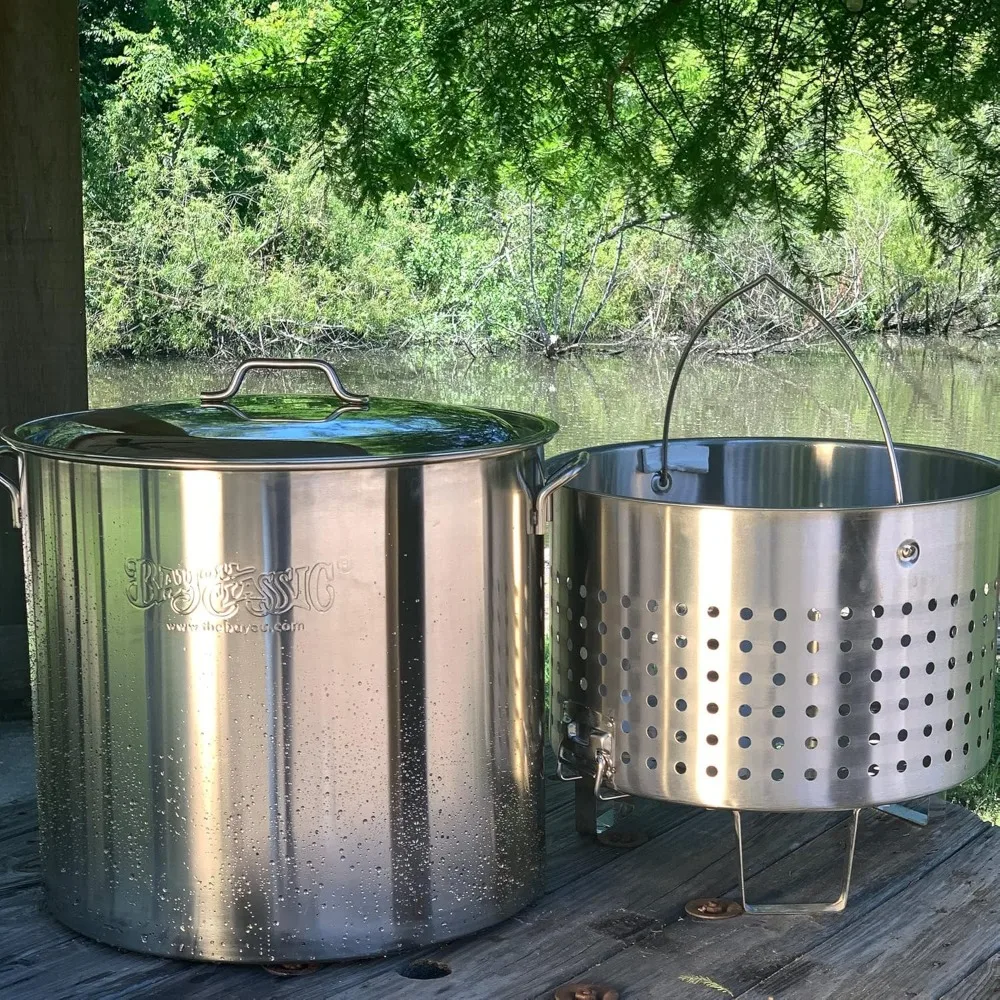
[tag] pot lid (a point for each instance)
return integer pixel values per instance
(278, 428)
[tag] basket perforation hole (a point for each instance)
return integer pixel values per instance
(712, 708)
(626, 726)
(873, 770)
(680, 767)
(626, 663)
(746, 614)
(779, 647)
(652, 700)
(811, 742)
(876, 643)
(814, 614)
(845, 677)
(744, 742)
(809, 774)
(906, 608)
(928, 729)
(843, 741)
(778, 679)
(680, 673)
(846, 645)
(652, 605)
(712, 740)
(712, 644)
(681, 705)
(712, 675)
(746, 646)
(812, 711)
(812, 646)
(681, 609)
(651, 763)
(901, 766)
(780, 614)
(778, 711)
(954, 600)
(931, 636)
(878, 611)
(843, 772)
(743, 773)
(626, 757)
(932, 605)
(711, 770)
(846, 613)
(874, 739)
(904, 704)
(902, 735)
(681, 641)
(626, 601)
(652, 669)
(713, 612)
(904, 640)
(680, 736)
(904, 672)
(812, 679)
(777, 774)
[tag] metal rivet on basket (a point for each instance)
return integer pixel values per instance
(908, 552)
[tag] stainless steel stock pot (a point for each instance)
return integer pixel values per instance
(287, 666)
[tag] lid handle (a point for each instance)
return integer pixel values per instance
(661, 479)
(222, 395)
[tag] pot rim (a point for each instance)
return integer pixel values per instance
(595, 453)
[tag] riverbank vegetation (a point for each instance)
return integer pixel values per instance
(238, 202)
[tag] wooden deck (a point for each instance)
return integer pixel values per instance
(923, 919)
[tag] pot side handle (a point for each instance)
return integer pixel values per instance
(541, 510)
(13, 489)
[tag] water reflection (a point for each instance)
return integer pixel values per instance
(931, 396)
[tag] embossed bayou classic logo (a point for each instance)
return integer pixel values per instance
(222, 590)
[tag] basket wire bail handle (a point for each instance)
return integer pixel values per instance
(661, 479)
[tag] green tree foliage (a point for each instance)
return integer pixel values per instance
(702, 107)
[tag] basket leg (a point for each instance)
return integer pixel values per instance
(918, 817)
(799, 908)
(585, 807)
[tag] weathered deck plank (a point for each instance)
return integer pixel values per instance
(739, 954)
(921, 922)
(983, 982)
(918, 944)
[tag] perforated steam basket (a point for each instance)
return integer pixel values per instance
(775, 624)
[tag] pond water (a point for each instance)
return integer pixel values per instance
(935, 395)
